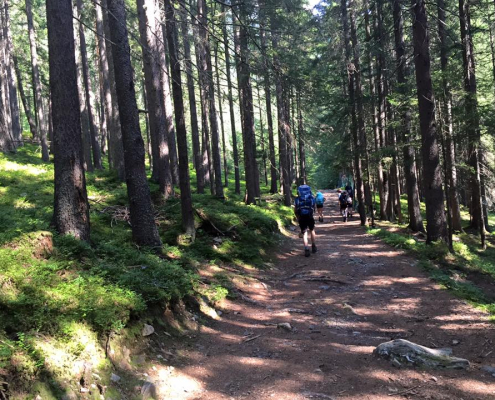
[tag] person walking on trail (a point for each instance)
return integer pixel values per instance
(304, 208)
(345, 202)
(320, 199)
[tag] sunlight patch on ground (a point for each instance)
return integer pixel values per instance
(476, 387)
(29, 169)
(174, 384)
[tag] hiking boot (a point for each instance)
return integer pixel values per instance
(320, 219)
(313, 248)
(306, 252)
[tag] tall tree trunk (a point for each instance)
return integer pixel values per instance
(405, 132)
(115, 142)
(71, 208)
(472, 124)
(11, 79)
(383, 183)
(198, 164)
(180, 123)
(150, 29)
(262, 136)
(205, 136)
(144, 231)
(95, 147)
(435, 213)
(222, 125)
(169, 111)
(290, 154)
(248, 132)
(25, 102)
(302, 151)
(360, 131)
(268, 102)
(282, 123)
(7, 142)
(374, 109)
(4, 80)
(209, 94)
(83, 105)
(42, 127)
(237, 186)
(451, 170)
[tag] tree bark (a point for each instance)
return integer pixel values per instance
(150, 29)
(144, 230)
(302, 150)
(472, 123)
(86, 136)
(262, 136)
(86, 139)
(222, 125)
(205, 136)
(198, 164)
(115, 142)
(237, 185)
(282, 122)
(169, 112)
(359, 132)
(268, 103)
(383, 179)
(25, 102)
(180, 123)
(248, 130)
(451, 169)
(42, 127)
(95, 147)
(435, 213)
(209, 94)
(405, 132)
(71, 208)
(11, 79)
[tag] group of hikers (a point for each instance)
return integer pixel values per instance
(305, 205)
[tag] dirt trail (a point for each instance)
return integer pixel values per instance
(376, 294)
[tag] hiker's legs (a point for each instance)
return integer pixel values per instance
(313, 237)
(305, 238)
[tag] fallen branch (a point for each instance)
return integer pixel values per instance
(205, 218)
(405, 391)
(251, 339)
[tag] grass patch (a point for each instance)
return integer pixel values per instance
(61, 296)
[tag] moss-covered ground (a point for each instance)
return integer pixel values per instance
(60, 298)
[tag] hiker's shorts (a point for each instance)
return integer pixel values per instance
(319, 206)
(306, 222)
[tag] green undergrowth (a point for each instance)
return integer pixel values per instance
(60, 295)
(460, 272)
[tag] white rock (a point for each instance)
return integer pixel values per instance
(115, 378)
(148, 330)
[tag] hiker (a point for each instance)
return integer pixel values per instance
(304, 207)
(345, 202)
(320, 199)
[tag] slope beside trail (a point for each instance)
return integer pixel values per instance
(372, 293)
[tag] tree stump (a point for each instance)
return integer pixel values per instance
(406, 352)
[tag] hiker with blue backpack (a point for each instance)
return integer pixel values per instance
(304, 207)
(320, 199)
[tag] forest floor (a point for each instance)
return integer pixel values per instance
(353, 294)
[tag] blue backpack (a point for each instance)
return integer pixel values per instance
(319, 199)
(305, 201)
